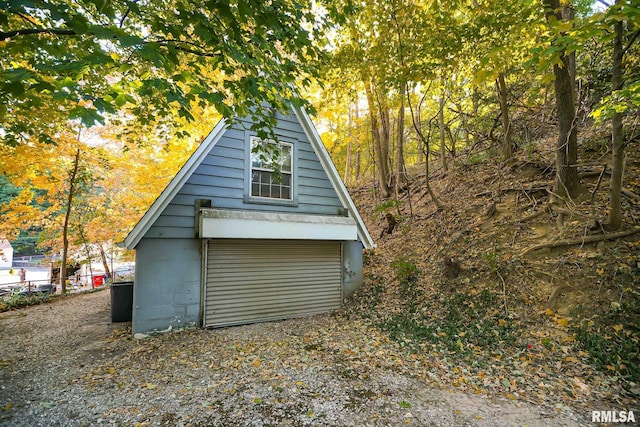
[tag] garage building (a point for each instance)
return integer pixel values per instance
(234, 240)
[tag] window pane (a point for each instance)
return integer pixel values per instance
(256, 162)
(264, 181)
(265, 190)
(285, 160)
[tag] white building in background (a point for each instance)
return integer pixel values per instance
(6, 254)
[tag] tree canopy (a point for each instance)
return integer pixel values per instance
(145, 63)
(395, 83)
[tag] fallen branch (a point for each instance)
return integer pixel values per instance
(504, 294)
(541, 188)
(630, 194)
(580, 241)
(591, 173)
(570, 213)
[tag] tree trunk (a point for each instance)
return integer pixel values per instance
(347, 165)
(401, 177)
(507, 148)
(105, 264)
(443, 153)
(569, 14)
(475, 98)
(87, 251)
(380, 135)
(424, 141)
(357, 121)
(567, 180)
(65, 228)
(614, 221)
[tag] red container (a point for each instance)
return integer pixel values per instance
(98, 280)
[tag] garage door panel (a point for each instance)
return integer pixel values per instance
(271, 312)
(269, 305)
(265, 293)
(241, 271)
(253, 280)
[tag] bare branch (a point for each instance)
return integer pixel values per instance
(177, 46)
(29, 31)
(633, 39)
(123, 18)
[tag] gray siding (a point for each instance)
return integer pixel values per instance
(166, 291)
(351, 267)
(221, 178)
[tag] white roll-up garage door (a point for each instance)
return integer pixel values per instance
(258, 280)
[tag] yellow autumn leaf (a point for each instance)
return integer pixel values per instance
(563, 321)
(8, 406)
(548, 312)
(256, 362)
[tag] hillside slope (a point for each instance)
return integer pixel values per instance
(498, 293)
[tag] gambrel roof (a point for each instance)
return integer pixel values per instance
(178, 181)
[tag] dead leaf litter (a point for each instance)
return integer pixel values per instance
(65, 364)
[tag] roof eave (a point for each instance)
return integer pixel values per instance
(159, 205)
(334, 176)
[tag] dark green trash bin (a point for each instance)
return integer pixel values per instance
(121, 301)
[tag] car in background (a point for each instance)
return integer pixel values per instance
(44, 288)
(124, 272)
(8, 289)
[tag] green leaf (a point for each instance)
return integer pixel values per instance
(17, 74)
(102, 104)
(79, 24)
(121, 99)
(405, 404)
(14, 88)
(102, 32)
(130, 40)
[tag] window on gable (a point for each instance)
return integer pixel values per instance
(265, 181)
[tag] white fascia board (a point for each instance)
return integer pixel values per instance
(159, 205)
(343, 194)
(229, 224)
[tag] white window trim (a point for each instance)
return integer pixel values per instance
(277, 200)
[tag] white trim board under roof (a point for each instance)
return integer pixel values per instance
(234, 224)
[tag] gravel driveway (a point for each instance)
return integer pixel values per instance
(66, 364)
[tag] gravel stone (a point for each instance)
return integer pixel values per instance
(66, 364)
